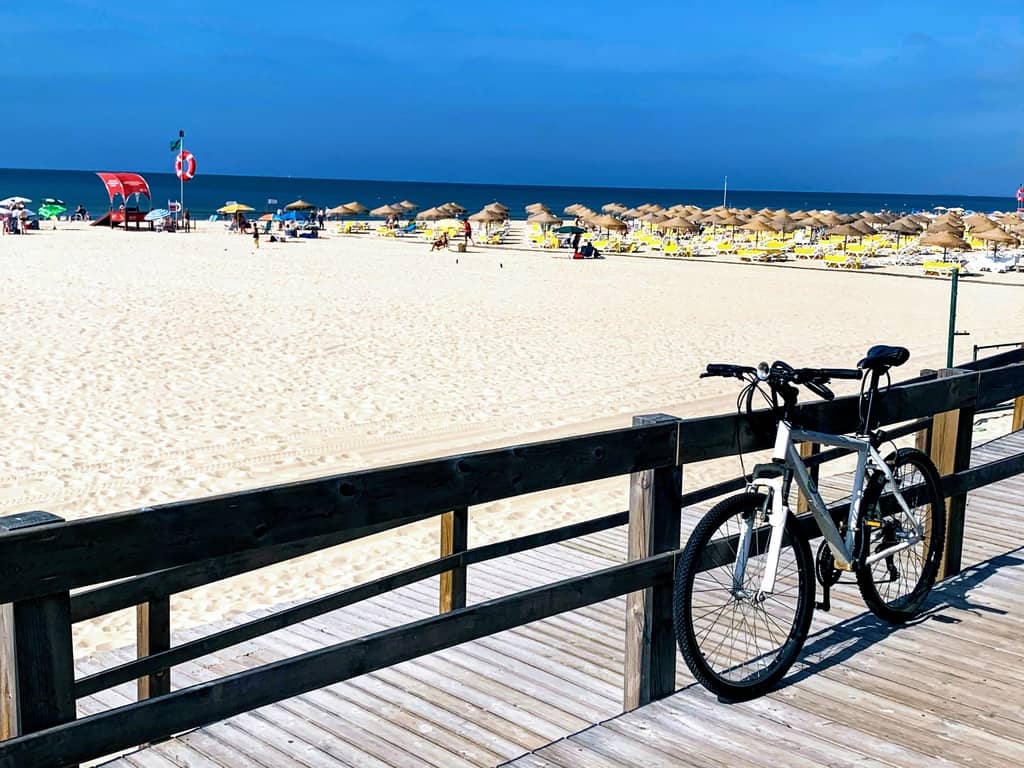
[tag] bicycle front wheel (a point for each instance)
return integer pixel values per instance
(737, 641)
(894, 588)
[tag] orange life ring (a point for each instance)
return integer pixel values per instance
(185, 165)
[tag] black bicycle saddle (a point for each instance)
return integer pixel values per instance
(880, 357)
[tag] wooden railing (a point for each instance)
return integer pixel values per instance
(143, 557)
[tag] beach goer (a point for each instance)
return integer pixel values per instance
(320, 217)
(256, 237)
(188, 221)
(440, 243)
(576, 241)
(467, 232)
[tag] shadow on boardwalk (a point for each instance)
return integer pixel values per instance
(836, 644)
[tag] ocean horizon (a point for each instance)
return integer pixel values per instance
(207, 192)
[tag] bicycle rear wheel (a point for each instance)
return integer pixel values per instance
(737, 642)
(895, 588)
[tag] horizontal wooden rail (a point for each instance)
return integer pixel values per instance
(94, 550)
(130, 592)
(195, 649)
(225, 697)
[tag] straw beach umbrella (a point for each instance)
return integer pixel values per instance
(997, 237)
(387, 210)
(355, 206)
(846, 230)
(340, 210)
(679, 223)
(545, 219)
(300, 205)
(945, 241)
(407, 205)
(431, 214)
(609, 222)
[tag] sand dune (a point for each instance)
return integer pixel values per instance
(143, 368)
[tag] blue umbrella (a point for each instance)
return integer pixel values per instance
(157, 213)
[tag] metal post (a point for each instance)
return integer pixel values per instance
(952, 318)
(181, 181)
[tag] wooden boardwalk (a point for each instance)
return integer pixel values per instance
(945, 691)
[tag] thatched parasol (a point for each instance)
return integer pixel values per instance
(945, 241)
(537, 208)
(407, 205)
(679, 223)
(487, 216)
(300, 205)
(545, 219)
(356, 206)
(341, 210)
(613, 208)
(573, 209)
(387, 210)
(997, 237)
(609, 222)
(431, 214)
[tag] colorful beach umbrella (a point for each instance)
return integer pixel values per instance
(232, 208)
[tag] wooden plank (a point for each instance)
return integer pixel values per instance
(248, 630)
(153, 635)
(654, 504)
(126, 593)
(951, 453)
(209, 702)
(454, 539)
(110, 547)
(37, 669)
(807, 451)
(1017, 422)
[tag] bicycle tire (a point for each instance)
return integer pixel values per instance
(698, 583)
(913, 570)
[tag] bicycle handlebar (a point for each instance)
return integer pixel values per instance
(780, 374)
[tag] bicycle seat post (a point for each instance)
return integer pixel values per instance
(876, 374)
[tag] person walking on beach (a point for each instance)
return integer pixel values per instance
(255, 236)
(467, 232)
(188, 221)
(576, 242)
(320, 218)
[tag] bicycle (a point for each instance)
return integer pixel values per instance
(744, 590)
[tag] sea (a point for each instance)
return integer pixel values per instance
(204, 194)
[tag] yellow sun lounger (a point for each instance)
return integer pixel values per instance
(940, 268)
(843, 261)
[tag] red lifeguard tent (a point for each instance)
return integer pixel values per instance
(123, 185)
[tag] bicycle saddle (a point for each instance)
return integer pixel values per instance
(880, 357)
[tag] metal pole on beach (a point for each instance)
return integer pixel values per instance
(181, 180)
(952, 317)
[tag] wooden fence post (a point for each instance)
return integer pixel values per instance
(454, 538)
(923, 438)
(37, 669)
(951, 452)
(1018, 414)
(806, 451)
(152, 635)
(654, 515)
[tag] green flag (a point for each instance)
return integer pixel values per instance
(176, 145)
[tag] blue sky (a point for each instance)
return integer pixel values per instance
(905, 96)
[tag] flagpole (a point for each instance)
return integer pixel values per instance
(181, 179)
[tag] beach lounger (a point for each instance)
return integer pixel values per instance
(843, 261)
(940, 268)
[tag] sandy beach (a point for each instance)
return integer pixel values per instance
(143, 368)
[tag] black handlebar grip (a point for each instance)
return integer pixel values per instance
(842, 373)
(719, 369)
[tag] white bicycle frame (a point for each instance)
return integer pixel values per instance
(787, 454)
